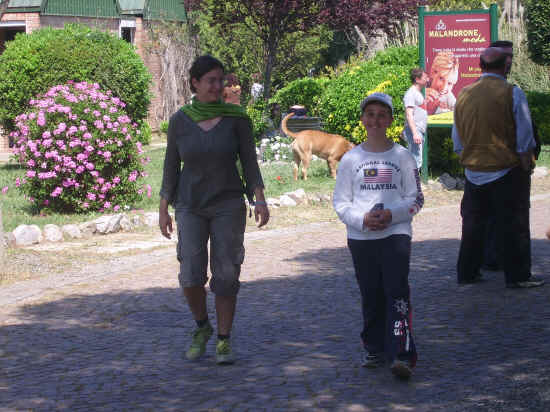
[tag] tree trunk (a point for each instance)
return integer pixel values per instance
(270, 62)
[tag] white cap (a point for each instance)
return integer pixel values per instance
(377, 97)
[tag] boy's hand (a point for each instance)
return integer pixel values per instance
(377, 219)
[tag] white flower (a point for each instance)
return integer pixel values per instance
(277, 156)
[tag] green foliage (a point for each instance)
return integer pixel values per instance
(387, 72)
(457, 4)
(539, 104)
(538, 30)
(33, 63)
(80, 149)
(164, 126)
(441, 156)
(145, 133)
(257, 113)
(243, 52)
(306, 91)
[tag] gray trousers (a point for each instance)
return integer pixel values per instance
(224, 226)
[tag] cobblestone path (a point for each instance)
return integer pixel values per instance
(113, 338)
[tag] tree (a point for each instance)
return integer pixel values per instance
(268, 20)
(175, 44)
(538, 30)
(368, 19)
(272, 21)
(243, 53)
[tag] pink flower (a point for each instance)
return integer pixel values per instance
(85, 205)
(107, 205)
(149, 190)
(116, 208)
(90, 196)
(4, 189)
(30, 173)
(107, 155)
(56, 192)
(116, 180)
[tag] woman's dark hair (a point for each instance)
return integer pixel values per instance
(201, 66)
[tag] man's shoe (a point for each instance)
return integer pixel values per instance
(532, 282)
(224, 354)
(401, 369)
(372, 360)
(198, 344)
(476, 279)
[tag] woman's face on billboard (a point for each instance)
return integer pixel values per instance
(444, 82)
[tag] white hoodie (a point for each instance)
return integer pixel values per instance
(365, 179)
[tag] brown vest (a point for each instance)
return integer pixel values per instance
(484, 119)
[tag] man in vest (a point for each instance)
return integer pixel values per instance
(494, 136)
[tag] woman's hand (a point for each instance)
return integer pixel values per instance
(261, 214)
(165, 220)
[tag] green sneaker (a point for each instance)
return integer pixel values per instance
(198, 345)
(224, 355)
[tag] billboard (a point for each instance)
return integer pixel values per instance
(450, 46)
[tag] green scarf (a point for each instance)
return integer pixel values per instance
(199, 111)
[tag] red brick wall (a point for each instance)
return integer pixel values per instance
(32, 20)
(153, 63)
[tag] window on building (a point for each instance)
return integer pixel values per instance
(7, 33)
(128, 33)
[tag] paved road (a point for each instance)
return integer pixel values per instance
(112, 337)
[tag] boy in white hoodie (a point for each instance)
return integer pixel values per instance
(376, 195)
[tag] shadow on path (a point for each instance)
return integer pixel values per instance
(481, 347)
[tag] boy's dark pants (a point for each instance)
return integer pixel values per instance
(382, 272)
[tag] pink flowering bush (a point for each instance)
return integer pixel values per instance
(80, 150)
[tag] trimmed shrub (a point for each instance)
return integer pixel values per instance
(33, 63)
(538, 30)
(80, 149)
(305, 92)
(441, 156)
(539, 105)
(257, 113)
(387, 72)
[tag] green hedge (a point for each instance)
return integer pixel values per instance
(33, 63)
(387, 72)
(539, 104)
(305, 92)
(538, 30)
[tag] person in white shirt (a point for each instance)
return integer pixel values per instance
(415, 115)
(376, 195)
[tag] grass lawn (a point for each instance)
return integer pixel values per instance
(17, 211)
(277, 178)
